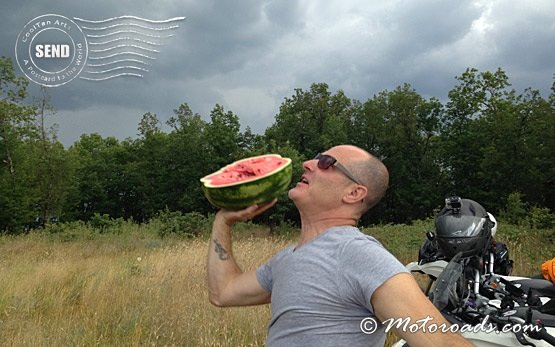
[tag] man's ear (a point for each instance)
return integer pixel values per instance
(355, 195)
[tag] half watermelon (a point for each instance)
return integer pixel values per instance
(249, 181)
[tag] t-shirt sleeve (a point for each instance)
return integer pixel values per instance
(264, 272)
(365, 265)
(264, 276)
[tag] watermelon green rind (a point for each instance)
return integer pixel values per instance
(239, 195)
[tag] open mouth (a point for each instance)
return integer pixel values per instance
(303, 180)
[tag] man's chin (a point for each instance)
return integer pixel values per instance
(296, 195)
(293, 193)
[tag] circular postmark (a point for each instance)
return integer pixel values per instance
(51, 50)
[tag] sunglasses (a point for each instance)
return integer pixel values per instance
(326, 161)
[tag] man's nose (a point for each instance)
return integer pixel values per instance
(309, 165)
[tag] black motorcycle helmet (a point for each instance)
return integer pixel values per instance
(463, 226)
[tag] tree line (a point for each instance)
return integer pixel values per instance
(486, 142)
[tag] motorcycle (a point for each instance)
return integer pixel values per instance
(470, 282)
(499, 310)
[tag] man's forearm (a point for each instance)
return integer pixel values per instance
(227, 284)
(221, 264)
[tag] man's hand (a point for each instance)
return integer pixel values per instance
(231, 217)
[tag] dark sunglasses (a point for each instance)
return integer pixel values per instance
(326, 161)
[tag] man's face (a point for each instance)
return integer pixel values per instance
(322, 188)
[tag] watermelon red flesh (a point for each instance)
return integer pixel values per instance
(247, 182)
(245, 170)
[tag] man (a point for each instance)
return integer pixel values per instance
(335, 277)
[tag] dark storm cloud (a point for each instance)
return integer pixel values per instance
(249, 55)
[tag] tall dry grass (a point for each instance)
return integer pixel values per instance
(116, 290)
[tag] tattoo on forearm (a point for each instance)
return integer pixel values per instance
(222, 253)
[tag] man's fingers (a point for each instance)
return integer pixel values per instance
(266, 206)
(247, 213)
(255, 210)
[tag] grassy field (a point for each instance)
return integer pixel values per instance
(133, 288)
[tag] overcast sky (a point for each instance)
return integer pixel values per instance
(249, 55)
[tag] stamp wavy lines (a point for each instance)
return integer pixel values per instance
(129, 25)
(111, 76)
(103, 73)
(119, 61)
(113, 55)
(119, 68)
(127, 38)
(175, 19)
(123, 46)
(133, 32)
(132, 21)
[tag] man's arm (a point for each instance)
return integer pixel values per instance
(401, 297)
(227, 284)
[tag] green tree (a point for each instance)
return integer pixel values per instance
(51, 167)
(465, 135)
(250, 142)
(223, 137)
(401, 128)
(17, 199)
(149, 125)
(101, 182)
(497, 142)
(188, 160)
(312, 121)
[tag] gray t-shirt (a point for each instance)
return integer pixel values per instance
(321, 292)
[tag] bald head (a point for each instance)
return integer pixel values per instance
(369, 170)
